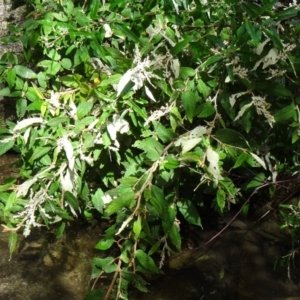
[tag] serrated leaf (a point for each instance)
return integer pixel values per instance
(146, 261)
(24, 72)
(105, 244)
(189, 212)
(189, 100)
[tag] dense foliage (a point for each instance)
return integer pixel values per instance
(144, 112)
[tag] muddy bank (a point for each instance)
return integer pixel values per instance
(45, 268)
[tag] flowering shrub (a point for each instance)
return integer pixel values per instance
(143, 112)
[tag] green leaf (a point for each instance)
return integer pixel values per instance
(94, 9)
(203, 89)
(60, 231)
(273, 90)
(146, 261)
(125, 200)
(175, 236)
(25, 72)
(257, 181)
(95, 295)
(189, 100)
(122, 30)
(39, 152)
(175, 118)
(250, 30)
(211, 60)
(170, 162)
(54, 122)
(205, 110)
(105, 244)
(110, 268)
(5, 92)
(221, 199)
(66, 63)
(21, 106)
(149, 143)
(53, 54)
(189, 212)
(286, 13)
(4, 147)
(274, 37)
(11, 77)
(286, 113)
(186, 72)
(102, 262)
(84, 108)
(241, 159)
(180, 46)
(12, 243)
(71, 200)
(137, 227)
(251, 9)
(7, 186)
(163, 133)
(231, 137)
(114, 79)
(157, 199)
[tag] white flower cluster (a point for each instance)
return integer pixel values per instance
(28, 214)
